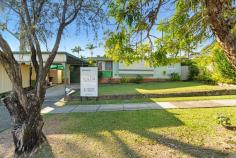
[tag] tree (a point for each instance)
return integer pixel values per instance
(77, 49)
(39, 21)
(90, 47)
(191, 23)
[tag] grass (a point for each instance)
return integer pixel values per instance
(141, 100)
(176, 133)
(154, 88)
(150, 133)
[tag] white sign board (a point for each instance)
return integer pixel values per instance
(88, 81)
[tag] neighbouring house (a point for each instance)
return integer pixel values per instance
(109, 69)
(65, 69)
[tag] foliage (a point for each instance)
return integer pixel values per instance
(91, 47)
(222, 66)
(124, 79)
(193, 68)
(35, 24)
(223, 120)
(213, 66)
(77, 49)
(138, 79)
(99, 75)
(91, 62)
(174, 76)
(189, 26)
(164, 73)
(133, 40)
(193, 71)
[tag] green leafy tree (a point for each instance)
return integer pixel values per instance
(213, 66)
(38, 22)
(77, 49)
(223, 69)
(192, 22)
(90, 47)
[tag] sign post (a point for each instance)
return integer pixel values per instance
(88, 82)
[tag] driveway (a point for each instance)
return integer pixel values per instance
(53, 95)
(5, 120)
(56, 93)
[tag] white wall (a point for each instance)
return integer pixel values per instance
(135, 66)
(60, 58)
(159, 71)
(121, 69)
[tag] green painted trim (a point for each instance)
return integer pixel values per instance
(135, 70)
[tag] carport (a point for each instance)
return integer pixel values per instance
(64, 62)
(70, 65)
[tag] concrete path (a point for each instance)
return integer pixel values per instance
(5, 120)
(56, 93)
(140, 106)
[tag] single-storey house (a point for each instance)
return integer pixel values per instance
(110, 69)
(65, 69)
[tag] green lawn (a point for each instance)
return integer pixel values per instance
(155, 88)
(141, 100)
(156, 133)
(148, 133)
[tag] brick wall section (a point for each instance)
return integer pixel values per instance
(117, 80)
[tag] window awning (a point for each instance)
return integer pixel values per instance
(57, 67)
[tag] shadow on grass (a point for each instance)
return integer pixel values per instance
(44, 151)
(134, 122)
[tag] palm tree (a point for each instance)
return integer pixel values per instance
(77, 49)
(90, 47)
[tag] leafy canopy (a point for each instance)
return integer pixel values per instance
(142, 35)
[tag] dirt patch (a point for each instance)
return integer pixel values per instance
(6, 144)
(114, 144)
(70, 137)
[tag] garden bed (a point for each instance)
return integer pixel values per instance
(163, 95)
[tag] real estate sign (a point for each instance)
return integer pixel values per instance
(88, 81)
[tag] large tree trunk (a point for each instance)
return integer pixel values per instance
(27, 125)
(222, 26)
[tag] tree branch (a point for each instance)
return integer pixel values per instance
(65, 21)
(13, 71)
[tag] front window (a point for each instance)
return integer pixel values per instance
(108, 65)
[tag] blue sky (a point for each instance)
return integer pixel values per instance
(72, 38)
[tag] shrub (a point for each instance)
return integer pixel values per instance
(99, 75)
(223, 120)
(213, 66)
(164, 73)
(138, 79)
(193, 71)
(223, 67)
(174, 76)
(124, 79)
(110, 80)
(193, 68)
